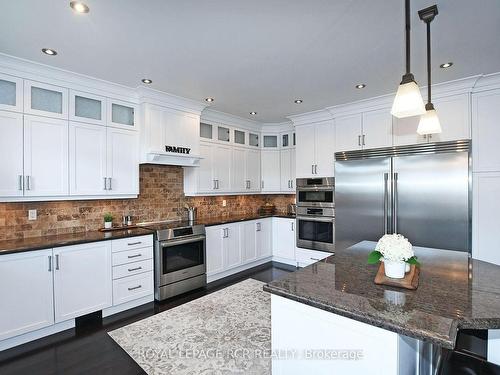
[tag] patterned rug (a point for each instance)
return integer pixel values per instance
(225, 332)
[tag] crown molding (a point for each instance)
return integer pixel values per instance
(488, 82)
(152, 96)
(216, 117)
(310, 117)
(277, 127)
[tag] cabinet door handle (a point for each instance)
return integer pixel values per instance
(105, 183)
(50, 263)
(262, 184)
(134, 269)
(292, 225)
(57, 261)
(315, 168)
(28, 182)
(134, 243)
(249, 184)
(134, 256)
(20, 182)
(291, 184)
(135, 287)
(316, 259)
(110, 183)
(312, 168)
(364, 135)
(258, 227)
(359, 140)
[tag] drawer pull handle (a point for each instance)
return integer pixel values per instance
(316, 259)
(134, 256)
(134, 269)
(135, 287)
(134, 243)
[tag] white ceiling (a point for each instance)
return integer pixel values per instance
(254, 55)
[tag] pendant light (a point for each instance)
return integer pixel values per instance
(408, 101)
(429, 121)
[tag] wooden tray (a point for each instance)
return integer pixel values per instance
(410, 281)
(123, 227)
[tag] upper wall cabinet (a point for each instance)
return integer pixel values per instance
(315, 150)
(45, 100)
(87, 108)
(11, 93)
(270, 141)
(122, 114)
(11, 154)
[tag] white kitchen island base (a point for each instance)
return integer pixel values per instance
(308, 340)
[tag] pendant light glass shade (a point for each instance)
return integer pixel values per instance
(429, 123)
(408, 101)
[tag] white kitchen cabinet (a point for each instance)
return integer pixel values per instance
(231, 245)
(122, 114)
(11, 93)
(287, 170)
(45, 156)
(315, 150)
(82, 279)
(264, 241)
(252, 169)
(122, 169)
(214, 249)
(270, 141)
(270, 166)
(11, 154)
(88, 108)
(202, 176)
(377, 129)
(348, 132)
(486, 131)
(305, 150)
(405, 131)
(26, 292)
(239, 183)
(249, 241)
(45, 100)
(222, 167)
(485, 219)
(284, 239)
(87, 159)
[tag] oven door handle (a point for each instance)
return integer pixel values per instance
(317, 218)
(181, 241)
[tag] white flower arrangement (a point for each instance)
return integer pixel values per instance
(395, 247)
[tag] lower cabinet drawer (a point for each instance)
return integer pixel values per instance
(134, 255)
(132, 268)
(129, 243)
(305, 256)
(132, 287)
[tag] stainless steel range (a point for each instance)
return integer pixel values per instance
(179, 256)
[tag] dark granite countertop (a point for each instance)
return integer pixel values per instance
(454, 293)
(47, 242)
(220, 220)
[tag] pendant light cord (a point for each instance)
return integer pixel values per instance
(408, 31)
(428, 62)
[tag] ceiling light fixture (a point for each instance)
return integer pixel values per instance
(429, 121)
(79, 7)
(253, 113)
(298, 101)
(147, 81)
(446, 65)
(408, 101)
(209, 100)
(49, 51)
(361, 86)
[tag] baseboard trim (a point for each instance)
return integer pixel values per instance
(127, 305)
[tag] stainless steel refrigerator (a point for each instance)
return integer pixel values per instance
(419, 191)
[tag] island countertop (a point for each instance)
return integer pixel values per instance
(455, 292)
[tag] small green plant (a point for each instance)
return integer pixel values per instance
(108, 218)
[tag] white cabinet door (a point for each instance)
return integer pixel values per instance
(486, 131)
(377, 129)
(252, 160)
(82, 279)
(485, 223)
(454, 116)
(122, 114)
(45, 156)
(11, 154)
(348, 133)
(11, 93)
(45, 100)
(405, 131)
(238, 175)
(88, 108)
(305, 150)
(284, 238)
(293, 167)
(222, 167)
(324, 150)
(122, 161)
(215, 249)
(285, 170)
(264, 238)
(87, 159)
(26, 292)
(231, 244)
(270, 162)
(205, 172)
(249, 241)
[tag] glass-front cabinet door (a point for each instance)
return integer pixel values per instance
(270, 141)
(253, 139)
(239, 137)
(122, 114)
(43, 99)
(223, 134)
(85, 107)
(11, 93)
(206, 130)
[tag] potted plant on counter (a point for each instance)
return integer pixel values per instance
(397, 254)
(108, 220)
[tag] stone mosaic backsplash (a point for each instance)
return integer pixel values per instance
(161, 197)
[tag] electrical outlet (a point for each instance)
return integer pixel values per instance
(31, 214)
(224, 203)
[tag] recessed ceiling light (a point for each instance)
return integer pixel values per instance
(446, 65)
(360, 86)
(298, 101)
(79, 7)
(146, 81)
(50, 52)
(253, 113)
(209, 100)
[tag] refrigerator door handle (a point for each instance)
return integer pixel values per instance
(386, 201)
(395, 202)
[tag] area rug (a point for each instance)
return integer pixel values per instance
(225, 332)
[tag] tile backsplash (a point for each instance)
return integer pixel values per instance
(161, 197)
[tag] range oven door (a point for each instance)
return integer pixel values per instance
(316, 233)
(179, 259)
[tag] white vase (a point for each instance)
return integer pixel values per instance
(108, 224)
(394, 270)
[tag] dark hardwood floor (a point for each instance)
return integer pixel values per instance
(87, 349)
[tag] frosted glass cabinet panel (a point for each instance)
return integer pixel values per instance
(87, 108)
(205, 130)
(122, 114)
(271, 141)
(45, 100)
(253, 139)
(11, 93)
(222, 134)
(239, 137)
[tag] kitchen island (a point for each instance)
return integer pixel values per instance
(330, 317)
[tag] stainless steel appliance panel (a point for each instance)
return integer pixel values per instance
(316, 233)
(431, 200)
(315, 192)
(362, 200)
